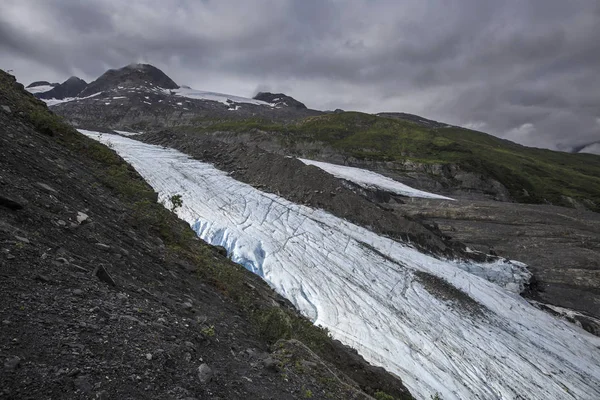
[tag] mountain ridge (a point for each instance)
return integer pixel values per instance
(72, 87)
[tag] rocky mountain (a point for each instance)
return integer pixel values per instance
(131, 76)
(40, 87)
(72, 87)
(106, 294)
(41, 83)
(293, 186)
(279, 100)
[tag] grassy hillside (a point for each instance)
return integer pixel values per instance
(531, 175)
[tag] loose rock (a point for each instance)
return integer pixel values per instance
(101, 273)
(46, 187)
(205, 373)
(9, 203)
(12, 363)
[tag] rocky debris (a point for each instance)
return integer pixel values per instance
(82, 217)
(69, 88)
(12, 363)
(22, 239)
(221, 250)
(6, 109)
(10, 203)
(42, 278)
(46, 187)
(102, 274)
(271, 364)
(205, 373)
(279, 100)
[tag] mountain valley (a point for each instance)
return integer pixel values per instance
(449, 258)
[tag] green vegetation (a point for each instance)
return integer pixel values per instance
(176, 202)
(208, 331)
(531, 175)
(379, 395)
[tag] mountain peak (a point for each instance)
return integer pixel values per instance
(69, 88)
(74, 79)
(279, 99)
(132, 75)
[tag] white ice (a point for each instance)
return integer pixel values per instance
(593, 148)
(362, 287)
(52, 102)
(370, 179)
(39, 89)
(220, 97)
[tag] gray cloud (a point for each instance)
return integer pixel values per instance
(523, 70)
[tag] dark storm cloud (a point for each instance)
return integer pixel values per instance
(524, 70)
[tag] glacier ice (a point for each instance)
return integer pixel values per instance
(366, 290)
(370, 179)
(213, 96)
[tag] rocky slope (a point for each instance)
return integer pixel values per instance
(105, 294)
(431, 156)
(134, 75)
(561, 246)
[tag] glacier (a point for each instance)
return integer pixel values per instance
(369, 290)
(369, 179)
(226, 99)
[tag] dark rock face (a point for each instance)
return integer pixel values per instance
(69, 88)
(280, 100)
(41, 83)
(140, 75)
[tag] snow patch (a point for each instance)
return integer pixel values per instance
(593, 148)
(39, 89)
(370, 180)
(52, 102)
(366, 290)
(226, 99)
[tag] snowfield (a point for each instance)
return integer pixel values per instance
(53, 102)
(382, 297)
(593, 148)
(212, 96)
(370, 180)
(39, 89)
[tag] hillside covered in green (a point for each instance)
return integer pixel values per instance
(531, 175)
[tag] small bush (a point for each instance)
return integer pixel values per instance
(380, 395)
(176, 202)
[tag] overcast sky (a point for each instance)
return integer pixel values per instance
(525, 70)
